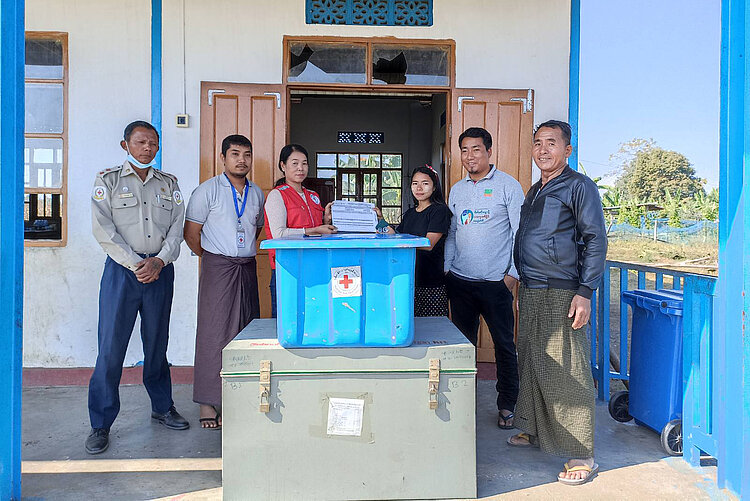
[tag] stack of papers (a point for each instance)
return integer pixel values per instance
(354, 216)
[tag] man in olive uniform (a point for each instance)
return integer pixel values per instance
(137, 216)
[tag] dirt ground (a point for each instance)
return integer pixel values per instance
(694, 257)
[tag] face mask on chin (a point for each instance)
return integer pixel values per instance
(136, 163)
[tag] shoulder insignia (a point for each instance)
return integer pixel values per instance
(283, 187)
(110, 170)
(167, 174)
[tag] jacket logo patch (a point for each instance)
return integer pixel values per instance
(467, 217)
(315, 198)
(177, 197)
(99, 193)
(488, 192)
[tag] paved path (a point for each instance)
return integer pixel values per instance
(147, 461)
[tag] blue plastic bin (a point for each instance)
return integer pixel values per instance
(345, 289)
(655, 357)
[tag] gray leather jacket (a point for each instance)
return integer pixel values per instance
(562, 240)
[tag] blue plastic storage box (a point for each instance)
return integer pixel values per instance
(345, 289)
(655, 356)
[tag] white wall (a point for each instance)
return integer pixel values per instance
(499, 44)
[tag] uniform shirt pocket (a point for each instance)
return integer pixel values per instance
(125, 211)
(162, 212)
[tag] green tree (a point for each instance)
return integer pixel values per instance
(631, 212)
(673, 208)
(623, 157)
(652, 171)
(706, 206)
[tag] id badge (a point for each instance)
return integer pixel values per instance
(240, 239)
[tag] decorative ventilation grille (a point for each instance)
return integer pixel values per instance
(361, 137)
(370, 12)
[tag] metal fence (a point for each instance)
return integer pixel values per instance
(700, 368)
(602, 357)
(659, 230)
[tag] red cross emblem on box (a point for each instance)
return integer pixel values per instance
(346, 281)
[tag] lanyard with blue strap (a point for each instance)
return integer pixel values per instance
(239, 212)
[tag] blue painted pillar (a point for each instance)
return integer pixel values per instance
(733, 305)
(573, 78)
(11, 243)
(156, 51)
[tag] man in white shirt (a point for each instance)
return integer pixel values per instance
(223, 220)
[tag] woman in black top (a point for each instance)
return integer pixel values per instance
(431, 218)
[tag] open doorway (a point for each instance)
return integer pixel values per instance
(365, 147)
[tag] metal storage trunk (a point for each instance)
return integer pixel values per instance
(349, 423)
(345, 289)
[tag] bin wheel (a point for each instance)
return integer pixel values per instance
(618, 407)
(671, 437)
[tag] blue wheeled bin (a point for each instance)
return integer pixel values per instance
(656, 390)
(345, 289)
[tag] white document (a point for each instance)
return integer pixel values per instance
(354, 216)
(345, 416)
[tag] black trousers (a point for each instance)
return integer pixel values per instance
(494, 302)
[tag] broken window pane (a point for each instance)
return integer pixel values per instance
(426, 65)
(327, 63)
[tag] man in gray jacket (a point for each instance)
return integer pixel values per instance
(560, 254)
(479, 259)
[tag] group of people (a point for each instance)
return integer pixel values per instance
(488, 243)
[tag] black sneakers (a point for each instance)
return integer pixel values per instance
(172, 419)
(97, 441)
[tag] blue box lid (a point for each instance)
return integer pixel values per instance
(667, 301)
(347, 241)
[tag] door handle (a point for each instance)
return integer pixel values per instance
(461, 100)
(211, 93)
(278, 98)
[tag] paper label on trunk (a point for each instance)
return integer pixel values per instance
(346, 281)
(345, 416)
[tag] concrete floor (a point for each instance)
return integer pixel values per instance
(147, 461)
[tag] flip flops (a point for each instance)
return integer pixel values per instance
(522, 436)
(592, 471)
(505, 419)
(214, 420)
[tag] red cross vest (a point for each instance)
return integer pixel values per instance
(298, 213)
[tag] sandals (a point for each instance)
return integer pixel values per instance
(214, 420)
(522, 436)
(505, 419)
(592, 471)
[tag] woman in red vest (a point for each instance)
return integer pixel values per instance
(292, 209)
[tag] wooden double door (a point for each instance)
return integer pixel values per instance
(260, 112)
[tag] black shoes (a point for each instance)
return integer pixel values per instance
(172, 419)
(97, 441)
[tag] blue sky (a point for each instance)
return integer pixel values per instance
(650, 69)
